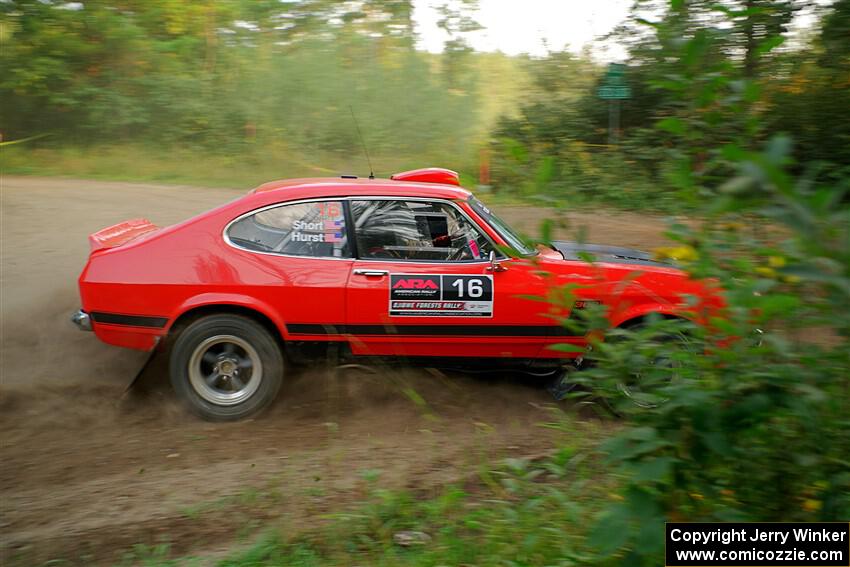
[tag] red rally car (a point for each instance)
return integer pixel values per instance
(411, 266)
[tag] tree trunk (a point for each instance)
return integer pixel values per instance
(750, 44)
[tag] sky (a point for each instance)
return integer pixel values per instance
(526, 26)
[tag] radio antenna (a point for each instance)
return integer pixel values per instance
(362, 142)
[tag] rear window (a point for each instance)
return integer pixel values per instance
(315, 229)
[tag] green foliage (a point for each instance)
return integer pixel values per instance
(739, 430)
(229, 76)
(719, 66)
(241, 82)
(726, 427)
(809, 103)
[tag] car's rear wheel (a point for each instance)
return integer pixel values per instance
(226, 367)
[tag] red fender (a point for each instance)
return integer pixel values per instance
(224, 299)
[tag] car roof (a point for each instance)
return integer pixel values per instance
(288, 189)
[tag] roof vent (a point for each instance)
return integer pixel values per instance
(428, 175)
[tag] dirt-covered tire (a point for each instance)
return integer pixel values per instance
(226, 367)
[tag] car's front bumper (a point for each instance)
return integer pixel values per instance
(82, 320)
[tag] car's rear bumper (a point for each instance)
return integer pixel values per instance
(82, 320)
(129, 331)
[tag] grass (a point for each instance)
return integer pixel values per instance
(532, 511)
(249, 497)
(247, 168)
(251, 165)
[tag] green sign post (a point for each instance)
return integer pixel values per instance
(614, 89)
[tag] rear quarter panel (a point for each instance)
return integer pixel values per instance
(190, 265)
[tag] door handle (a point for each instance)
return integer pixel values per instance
(371, 273)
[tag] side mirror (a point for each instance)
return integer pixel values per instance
(494, 265)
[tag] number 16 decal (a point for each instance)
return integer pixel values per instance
(468, 287)
(416, 295)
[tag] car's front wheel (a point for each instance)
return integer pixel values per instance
(663, 364)
(226, 367)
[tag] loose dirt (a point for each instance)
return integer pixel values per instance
(87, 470)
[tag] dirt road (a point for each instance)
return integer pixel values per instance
(86, 472)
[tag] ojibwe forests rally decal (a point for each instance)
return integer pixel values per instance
(418, 295)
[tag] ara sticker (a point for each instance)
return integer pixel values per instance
(418, 295)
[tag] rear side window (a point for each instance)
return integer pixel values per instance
(416, 230)
(304, 229)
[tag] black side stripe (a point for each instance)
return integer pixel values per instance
(129, 320)
(432, 330)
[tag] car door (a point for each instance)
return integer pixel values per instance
(422, 285)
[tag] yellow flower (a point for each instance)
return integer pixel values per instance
(682, 253)
(697, 496)
(791, 278)
(766, 272)
(776, 261)
(812, 505)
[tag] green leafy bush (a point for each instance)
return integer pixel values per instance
(730, 428)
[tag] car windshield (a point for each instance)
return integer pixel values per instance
(505, 231)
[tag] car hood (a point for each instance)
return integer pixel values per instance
(610, 254)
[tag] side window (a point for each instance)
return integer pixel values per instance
(304, 229)
(416, 230)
